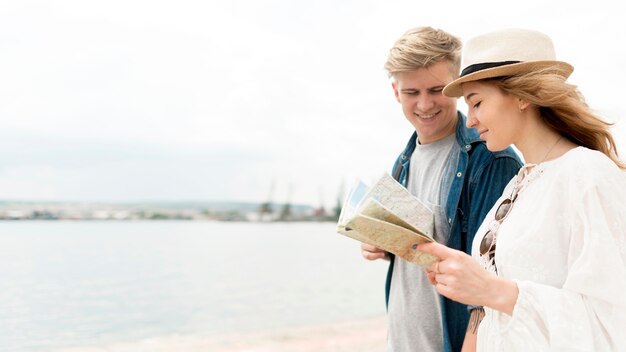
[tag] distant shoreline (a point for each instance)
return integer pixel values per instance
(218, 211)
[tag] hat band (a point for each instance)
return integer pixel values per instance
(483, 66)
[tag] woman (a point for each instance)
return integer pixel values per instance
(549, 261)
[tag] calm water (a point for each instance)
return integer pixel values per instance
(65, 284)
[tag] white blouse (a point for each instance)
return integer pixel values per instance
(564, 244)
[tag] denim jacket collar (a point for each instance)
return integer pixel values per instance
(465, 137)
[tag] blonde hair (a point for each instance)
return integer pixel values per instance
(563, 109)
(422, 47)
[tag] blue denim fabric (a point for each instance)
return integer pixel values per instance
(477, 183)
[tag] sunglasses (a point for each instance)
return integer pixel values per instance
(488, 243)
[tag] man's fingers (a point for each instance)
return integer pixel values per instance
(373, 255)
(372, 252)
(370, 248)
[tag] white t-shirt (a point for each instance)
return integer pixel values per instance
(414, 309)
(564, 243)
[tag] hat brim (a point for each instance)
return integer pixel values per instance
(453, 89)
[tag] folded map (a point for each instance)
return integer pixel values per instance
(387, 216)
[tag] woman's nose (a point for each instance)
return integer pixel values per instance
(471, 122)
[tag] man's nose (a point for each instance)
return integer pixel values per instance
(425, 103)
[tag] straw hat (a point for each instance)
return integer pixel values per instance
(506, 53)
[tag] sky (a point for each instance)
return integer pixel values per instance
(241, 100)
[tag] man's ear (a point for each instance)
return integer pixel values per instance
(395, 91)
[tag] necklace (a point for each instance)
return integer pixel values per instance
(529, 171)
(549, 150)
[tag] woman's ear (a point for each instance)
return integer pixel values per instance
(522, 104)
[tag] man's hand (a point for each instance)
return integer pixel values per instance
(370, 252)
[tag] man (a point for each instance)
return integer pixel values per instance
(447, 167)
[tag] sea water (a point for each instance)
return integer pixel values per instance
(90, 283)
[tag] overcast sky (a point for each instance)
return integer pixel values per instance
(220, 100)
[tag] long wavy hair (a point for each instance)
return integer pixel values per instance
(563, 108)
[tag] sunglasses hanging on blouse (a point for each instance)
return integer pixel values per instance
(488, 243)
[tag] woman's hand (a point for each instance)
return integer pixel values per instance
(460, 278)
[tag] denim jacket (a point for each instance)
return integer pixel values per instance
(475, 184)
